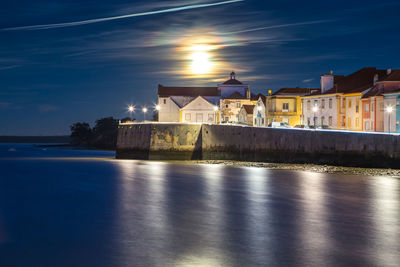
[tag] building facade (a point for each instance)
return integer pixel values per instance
(246, 115)
(376, 102)
(339, 106)
(285, 105)
(234, 94)
(172, 99)
(259, 112)
(200, 110)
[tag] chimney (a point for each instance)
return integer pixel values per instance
(327, 82)
(388, 71)
(248, 94)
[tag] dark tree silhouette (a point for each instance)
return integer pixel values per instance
(105, 133)
(81, 134)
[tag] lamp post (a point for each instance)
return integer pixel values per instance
(315, 109)
(131, 109)
(144, 113)
(389, 110)
(215, 114)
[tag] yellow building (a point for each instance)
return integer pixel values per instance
(285, 105)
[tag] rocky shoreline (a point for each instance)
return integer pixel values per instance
(309, 168)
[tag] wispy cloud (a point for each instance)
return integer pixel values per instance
(91, 21)
(9, 67)
(308, 80)
(275, 27)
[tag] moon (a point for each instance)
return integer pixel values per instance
(200, 62)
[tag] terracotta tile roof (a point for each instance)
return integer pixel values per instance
(165, 91)
(297, 91)
(358, 81)
(236, 95)
(248, 108)
(394, 76)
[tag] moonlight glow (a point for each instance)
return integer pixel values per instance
(200, 60)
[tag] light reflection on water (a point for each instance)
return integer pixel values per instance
(136, 213)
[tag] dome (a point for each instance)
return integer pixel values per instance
(233, 81)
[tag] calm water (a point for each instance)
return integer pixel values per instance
(63, 207)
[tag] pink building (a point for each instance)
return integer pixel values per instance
(373, 103)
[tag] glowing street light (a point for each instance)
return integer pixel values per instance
(315, 109)
(131, 109)
(215, 114)
(389, 110)
(158, 107)
(144, 113)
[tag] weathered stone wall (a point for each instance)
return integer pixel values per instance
(159, 141)
(300, 146)
(179, 141)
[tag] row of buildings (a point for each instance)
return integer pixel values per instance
(366, 100)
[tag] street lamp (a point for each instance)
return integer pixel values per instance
(215, 114)
(315, 109)
(389, 110)
(158, 107)
(131, 109)
(144, 113)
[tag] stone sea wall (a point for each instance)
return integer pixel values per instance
(226, 142)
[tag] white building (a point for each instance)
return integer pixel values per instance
(200, 110)
(259, 116)
(172, 99)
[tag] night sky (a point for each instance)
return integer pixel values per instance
(67, 61)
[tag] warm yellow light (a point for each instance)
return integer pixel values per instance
(200, 63)
(389, 109)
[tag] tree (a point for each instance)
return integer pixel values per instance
(81, 134)
(105, 133)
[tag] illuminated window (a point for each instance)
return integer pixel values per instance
(285, 106)
(315, 103)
